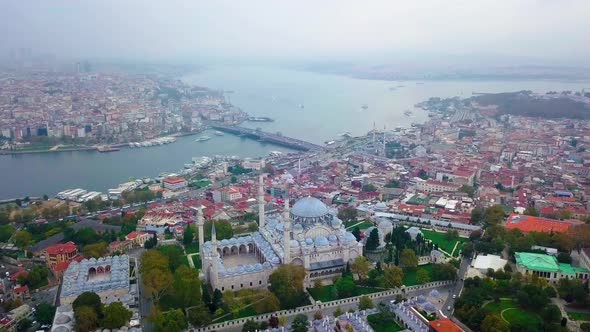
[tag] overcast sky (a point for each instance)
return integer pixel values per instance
(170, 29)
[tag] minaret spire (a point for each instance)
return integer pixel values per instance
(200, 224)
(214, 258)
(286, 229)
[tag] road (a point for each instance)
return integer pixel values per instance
(145, 302)
(458, 287)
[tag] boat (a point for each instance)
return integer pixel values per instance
(275, 153)
(260, 119)
(364, 106)
(330, 142)
(202, 139)
(300, 106)
(346, 134)
(189, 165)
(218, 133)
(106, 148)
(408, 113)
(131, 145)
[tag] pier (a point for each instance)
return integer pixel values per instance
(262, 136)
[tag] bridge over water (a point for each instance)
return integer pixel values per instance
(260, 135)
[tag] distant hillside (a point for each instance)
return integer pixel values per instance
(523, 103)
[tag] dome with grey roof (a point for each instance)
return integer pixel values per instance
(308, 241)
(309, 211)
(62, 319)
(321, 241)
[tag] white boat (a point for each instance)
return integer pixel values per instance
(218, 133)
(202, 139)
(275, 153)
(189, 165)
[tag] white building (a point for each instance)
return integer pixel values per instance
(316, 240)
(483, 263)
(174, 183)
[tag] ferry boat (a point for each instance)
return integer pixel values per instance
(260, 119)
(218, 133)
(106, 148)
(408, 113)
(300, 106)
(330, 142)
(364, 106)
(202, 139)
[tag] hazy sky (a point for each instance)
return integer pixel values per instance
(164, 30)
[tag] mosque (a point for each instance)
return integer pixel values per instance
(309, 234)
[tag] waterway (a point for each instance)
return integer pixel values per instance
(331, 105)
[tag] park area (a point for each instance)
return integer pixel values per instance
(579, 316)
(383, 322)
(509, 310)
(410, 274)
(451, 246)
(362, 225)
(328, 293)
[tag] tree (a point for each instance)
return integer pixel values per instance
(86, 318)
(338, 312)
(273, 321)
(494, 323)
(286, 283)
(373, 240)
(531, 211)
(451, 234)
(23, 239)
(422, 276)
(318, 315)
(269, 304)
(250, 326)
(365, 303)
(151, 243)
(551, 314)
(408, 259)
(493, 215)
(283, 321)
(115, 316)
(199, 316)
(369, 188)
(6, 232)
(189, 235)
(469, 190)
(4, 217)
(88, 299)
(467, 249)
(299, 323)
(223, 229)
(156, 282)
(357, 233)
(187, 287)
(585, 326)
(170, 321)
(564, 257)
(361, 267)
(444, 271)
(532, 297)
(347, 214)
(393, 276)
(345, 286)
(477, 215)
(95, 250)
(45, 313)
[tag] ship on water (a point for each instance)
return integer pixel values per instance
(106, 148)
(202, 139)
(260, 119)
(364, 107)
(408, 113)
(218, 133)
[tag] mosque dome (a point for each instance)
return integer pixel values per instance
(309, 207)
(332, 238)
(349, 237)
(308, 241)
(336, 222)
(321, 241)
(294, 243)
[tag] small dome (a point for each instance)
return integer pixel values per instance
(332, 238)
(309, 207)
(434, 293)
(308, 241)
(421, 299)
(336, 222)
(321, 241)
(297, 227)
(62, 319)
(294, 244)
(349, 237)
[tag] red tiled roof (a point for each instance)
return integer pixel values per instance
(133, 235)
(174, 180)
(444, 325)
(536, 224)
(64, 248)
(21, 289)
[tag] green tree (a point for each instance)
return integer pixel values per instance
(365, 303)
(199, 316)
(345, 286)
(86, 318)
(95, 250)
(115, 316)
(361, 267)
(4, 218)
(189, 235)
(300, 323)
(444, 271)
(45, 313)
(422, 276)
(250, 326)
(369, 188)
(6, 232)
(493, 215)
(156, 282)
(531, 211)
(373, 240)
(269, 304)
(409, 259)
(223, 229)
(469, 190)
(551, 314)
(532, 297)
(357, 233)
(286, 283)
(23, 239)
(170, 321)
(393, 276)
(347, 214)
(187, 287)
(494, 323)
(477, 215)
(88, 299)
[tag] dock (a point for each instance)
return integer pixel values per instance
(262, 136)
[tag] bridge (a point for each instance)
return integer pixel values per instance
(262, 136)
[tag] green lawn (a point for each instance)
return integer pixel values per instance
(383, 323)
(583, 316)
(361, 224)
(410, 275)
(442, 242)
(325, 293)
(510, 312)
